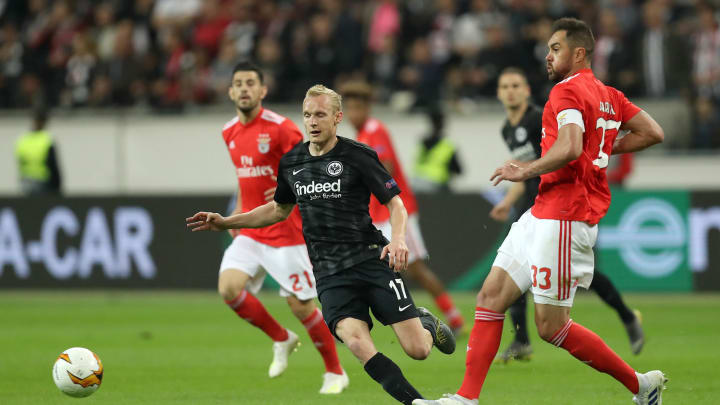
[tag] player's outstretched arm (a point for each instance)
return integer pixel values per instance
(397, 250)
(566, 148)
(262, 216)
(644, 132)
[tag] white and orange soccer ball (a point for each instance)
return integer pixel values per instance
(78, 372)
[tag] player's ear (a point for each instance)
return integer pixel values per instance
(338, 117)
(580, 54)
(230, 93)
(263, 92)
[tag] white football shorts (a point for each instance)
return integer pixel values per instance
(551, 257)
(413, 237)
(288, 265)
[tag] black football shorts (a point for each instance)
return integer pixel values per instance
(370, 285)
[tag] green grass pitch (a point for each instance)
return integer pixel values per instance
(177, 348)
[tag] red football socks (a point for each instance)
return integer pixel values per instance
(446, 305)
(323, 340)
(252, 310)
(481, 350)
(589, 348)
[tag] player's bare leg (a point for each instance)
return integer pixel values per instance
(335, 380)
(498, 292)
(231, 286)
(356, 335)
(555, 326)
(414, 339)
(421, 273)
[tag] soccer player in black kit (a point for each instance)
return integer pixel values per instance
(356, 269)
(522, 132)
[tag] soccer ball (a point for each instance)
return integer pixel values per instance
(78, 372)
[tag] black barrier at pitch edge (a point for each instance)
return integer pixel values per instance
(107, 242)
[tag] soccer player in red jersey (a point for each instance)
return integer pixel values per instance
(372, 132)
(256, 139)
(549, 249)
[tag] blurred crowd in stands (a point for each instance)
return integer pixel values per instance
(167, 54)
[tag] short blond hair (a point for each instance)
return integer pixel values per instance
(319, 90)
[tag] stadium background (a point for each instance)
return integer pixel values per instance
(136, 91)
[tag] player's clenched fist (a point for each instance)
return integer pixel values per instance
(206, 221)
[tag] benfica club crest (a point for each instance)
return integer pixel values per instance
(263, 143)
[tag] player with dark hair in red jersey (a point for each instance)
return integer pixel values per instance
(370, 131)
(549, 249)
(256, 139)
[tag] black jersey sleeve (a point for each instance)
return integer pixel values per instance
(283, 192)
(376, 177)
(535, 131)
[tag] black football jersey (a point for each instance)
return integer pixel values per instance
(333, 192)
(523, 140)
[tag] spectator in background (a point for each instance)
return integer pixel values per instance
(222, 67)
(80, 71)
(706, 79)
(167, 91)
(11, 64)
(121, 70)
(104, 30)
(242, 31)
(172, 15)
(383, 66)
(664, 63)
(384, 30)
(437, 160)
(706, 68)
(209, 28)
(272, 19)
(422, 75)
(498, 55)
(37, 159)
(199, 76)
(269, 56)
(59, 30)
(441, 32)
(322, 51)
(469, 30)
(706, 128)
(384, 23)
(627, 15)
(612, 57)
(347, 32)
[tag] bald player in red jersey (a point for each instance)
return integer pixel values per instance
(549, 249)
(256, 139)
(357, 98)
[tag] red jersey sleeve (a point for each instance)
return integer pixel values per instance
(627, 108)
(291, 135)
(564, 97)
(380, 141)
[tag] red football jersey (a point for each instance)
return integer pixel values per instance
(255, 149)
(579, 191)
(375, 135)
